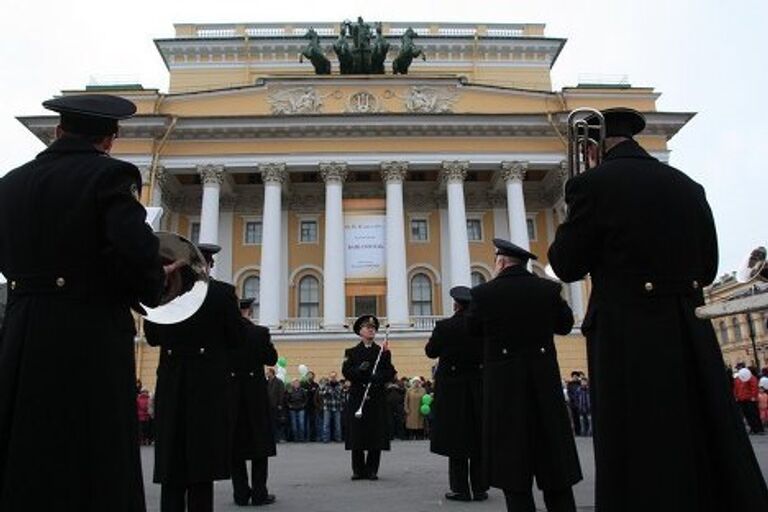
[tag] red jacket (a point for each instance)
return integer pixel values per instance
(745, 391)
(142, 405)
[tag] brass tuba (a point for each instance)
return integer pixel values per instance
(186, 286)
(582, 124)
(753, 269)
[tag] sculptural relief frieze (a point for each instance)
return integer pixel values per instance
(296, 100)
(430, 100)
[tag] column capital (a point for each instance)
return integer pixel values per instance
(211, 174)
(273, 173)
(161, 175)
(455, 171)
(513, 171)
(333, 172)
(394, 172)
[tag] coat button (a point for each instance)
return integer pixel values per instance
(170, 351)
(60, 282)
(453, 368)
(503, 351)
(251, 374)
(649, 286)
(202, 350)
(480, 366)
(543, 350)
(232, 374)
(13, 285)
(695, 285)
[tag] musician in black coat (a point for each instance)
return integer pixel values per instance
(526, 428)
(192, 399)
(645, 233)
(369, 433)
(77, 254)
(456, 429)
(253, 438)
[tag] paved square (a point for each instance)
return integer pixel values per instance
(314, 477)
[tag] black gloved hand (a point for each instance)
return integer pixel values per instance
(364, 366)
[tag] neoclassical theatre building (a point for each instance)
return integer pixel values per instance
(337, 195)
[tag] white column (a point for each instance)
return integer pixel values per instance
(156, 198)
(223, 266)
(453, 175)
(273, 176)
(513, 174)
(333, 174)
(393, 174)
(212, 177)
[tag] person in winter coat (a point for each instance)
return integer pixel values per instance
(296, 401)
(745, 390)
(645, 234)
(414, 420)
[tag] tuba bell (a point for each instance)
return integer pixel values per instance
(186, 286)
(754, 269)
(586, 129)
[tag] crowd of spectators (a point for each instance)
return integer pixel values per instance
(304, 410)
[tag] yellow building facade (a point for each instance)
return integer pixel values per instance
(338, 195)
(743, 338)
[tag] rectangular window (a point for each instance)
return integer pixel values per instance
(474, 230)
(531, 224)
(194, 233)
(365, 305)
(308, 231)
(419, 230)
(253, 233)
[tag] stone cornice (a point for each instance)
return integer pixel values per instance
(665, 124)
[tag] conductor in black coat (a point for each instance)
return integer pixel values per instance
(527, 431)
(370, 432)
(192, 399)
(77, 254)
(456, 429)
(645, 233)
(253, 439)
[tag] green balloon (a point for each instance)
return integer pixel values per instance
(425, 409)
(427, 399)
(281, 362)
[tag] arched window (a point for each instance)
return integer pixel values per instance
(251, 289)
(421, 295)
(723, 333)
(477, 278)
(309, 297)
(736, 330)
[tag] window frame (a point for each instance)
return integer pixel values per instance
(419, 217)
(413, 302)
(478, 217)
(308, 218)
(299, 302)
(246, 221)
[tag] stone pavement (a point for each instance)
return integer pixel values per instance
(314, 477)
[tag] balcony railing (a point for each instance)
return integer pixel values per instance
(315, 325)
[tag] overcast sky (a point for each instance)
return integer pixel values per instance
(703, 56)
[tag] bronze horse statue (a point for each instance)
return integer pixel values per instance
(379, 54)
(408, 51)
(315, 54)
(343, 52)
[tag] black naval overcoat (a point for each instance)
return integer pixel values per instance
(251, 414)
(371, 432)
(457, 408)
(68, 424)
(193, 395)
(671, 441)
(526, 428)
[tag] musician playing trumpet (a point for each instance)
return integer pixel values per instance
(368, 367)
